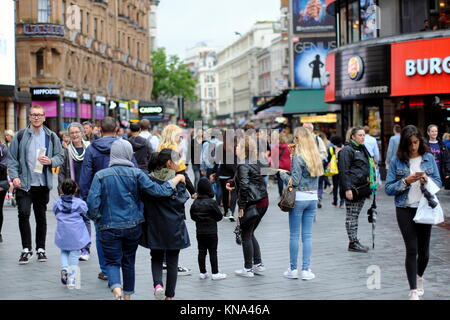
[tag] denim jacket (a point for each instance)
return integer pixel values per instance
(114, 197)
(301, 179)
(399, 170)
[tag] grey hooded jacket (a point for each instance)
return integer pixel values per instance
(17, 165)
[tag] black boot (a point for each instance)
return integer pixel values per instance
(355, 246)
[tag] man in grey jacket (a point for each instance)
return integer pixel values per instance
(34, 151)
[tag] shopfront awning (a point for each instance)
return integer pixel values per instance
(279, 100)
(306, 101)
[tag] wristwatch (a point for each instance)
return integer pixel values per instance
(405, 183)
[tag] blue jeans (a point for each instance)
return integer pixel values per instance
(303, 214)
(69, 258)
(101, 257)
(119, 248)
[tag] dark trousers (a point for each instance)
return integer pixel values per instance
(336, 190)
(38, 197)
(197, 174)
(250, 246)
(229, 198)
(207, 242)
(119, 249)
(417, 242)
(2, 201)
(172, 269)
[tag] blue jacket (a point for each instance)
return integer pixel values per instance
(71, 232)
(394, 141)
(399, 170)
(114, 198)
(96, 158)
(301, 179)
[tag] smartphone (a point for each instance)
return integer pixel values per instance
(419, 173)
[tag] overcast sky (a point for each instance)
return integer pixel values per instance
(184, 23)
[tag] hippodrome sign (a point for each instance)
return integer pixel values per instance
(43, 29)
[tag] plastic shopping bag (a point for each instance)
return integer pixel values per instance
(427, 215)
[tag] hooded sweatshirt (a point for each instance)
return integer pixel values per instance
(71, 232)
(121, 153)
(96, 158)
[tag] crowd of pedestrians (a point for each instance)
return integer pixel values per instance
(133, 186)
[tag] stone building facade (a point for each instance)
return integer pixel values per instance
(84, 59)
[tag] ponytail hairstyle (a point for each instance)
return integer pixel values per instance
(69, 187)
(158, 160)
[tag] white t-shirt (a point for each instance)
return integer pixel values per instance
(414, 193)
(306, 195)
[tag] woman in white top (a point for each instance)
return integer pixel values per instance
(413, 166)
(305, 172)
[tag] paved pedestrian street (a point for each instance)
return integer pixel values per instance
(340, 274)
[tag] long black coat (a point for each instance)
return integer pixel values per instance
(164, 226)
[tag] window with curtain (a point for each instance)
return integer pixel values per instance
(44, 11)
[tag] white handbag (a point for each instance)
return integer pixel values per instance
(427, 215)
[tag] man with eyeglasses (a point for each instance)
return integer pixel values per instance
(34, 151)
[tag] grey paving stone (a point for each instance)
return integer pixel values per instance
(341, 275)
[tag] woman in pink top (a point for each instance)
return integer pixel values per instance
(284, 159)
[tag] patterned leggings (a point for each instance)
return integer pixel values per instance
(351, 221)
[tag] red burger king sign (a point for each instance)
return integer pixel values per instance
(420, 67)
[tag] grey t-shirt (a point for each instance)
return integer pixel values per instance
(37, 141)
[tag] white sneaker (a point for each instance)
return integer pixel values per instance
(307, 275)
(218, 276)
(84, 255)
(413, 295)
(203, 276)
(420, 289)
(258, 268)
(245, 273)
(291, 274)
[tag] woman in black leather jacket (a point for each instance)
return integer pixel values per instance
(251, 191)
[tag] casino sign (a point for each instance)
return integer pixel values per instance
(43, 29)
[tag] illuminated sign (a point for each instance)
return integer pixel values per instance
(328, 118)
(147, 110)
(427, 66)
(44, 92)
(355, 68)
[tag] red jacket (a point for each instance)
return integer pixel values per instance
(284, 156)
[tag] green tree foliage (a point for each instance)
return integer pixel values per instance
(191, 115)
(171, 77)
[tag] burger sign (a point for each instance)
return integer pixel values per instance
(355, 68)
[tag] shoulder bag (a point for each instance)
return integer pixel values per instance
(287, 201)
(249, 214)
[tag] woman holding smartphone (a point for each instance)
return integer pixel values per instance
(413, 166)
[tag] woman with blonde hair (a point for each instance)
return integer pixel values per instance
(171, 138)
(306, 169)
